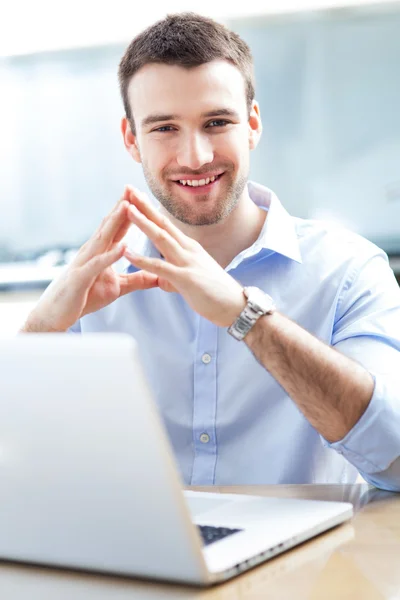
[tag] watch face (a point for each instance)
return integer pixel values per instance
(259, 300)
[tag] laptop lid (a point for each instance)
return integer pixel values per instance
(87, 475)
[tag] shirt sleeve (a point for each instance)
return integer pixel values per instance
(367, 329)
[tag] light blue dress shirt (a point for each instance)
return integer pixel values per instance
(228, 420)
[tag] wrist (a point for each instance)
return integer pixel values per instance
(257, 304)
(236, 307)
(36, 324)
(265, 326)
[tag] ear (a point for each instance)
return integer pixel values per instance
(255, 125)
(130, 140)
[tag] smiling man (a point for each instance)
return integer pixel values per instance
(198, 178)
(271, 343)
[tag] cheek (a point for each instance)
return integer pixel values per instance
(156, 156)
(233, 145)
(234, 141)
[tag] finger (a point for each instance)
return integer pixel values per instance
(154, 265)
(142, 280)
(103, 240)
(127, 193)
(117, 221)
(163, 241)
(100, 262)
(125, 226)
(139, 199)
(90, 249)
(125, 197)
(123, 230)
(166, 286)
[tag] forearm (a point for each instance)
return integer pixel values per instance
(38, 328)
(331, 390)
(37, 324)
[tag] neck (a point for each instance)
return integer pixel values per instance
(225, 240)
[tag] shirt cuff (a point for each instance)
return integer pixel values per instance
(374, 442)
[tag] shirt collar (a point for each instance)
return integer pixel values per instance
(277, 235)
(279, 232)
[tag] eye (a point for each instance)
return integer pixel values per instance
(164, 128)
(218, 123)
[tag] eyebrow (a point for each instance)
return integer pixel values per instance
(218, 112)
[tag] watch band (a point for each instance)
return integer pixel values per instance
(248, 318)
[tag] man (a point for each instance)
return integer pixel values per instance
(299, 389)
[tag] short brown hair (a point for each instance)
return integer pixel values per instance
(187, 40)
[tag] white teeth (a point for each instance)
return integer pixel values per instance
(197, 182)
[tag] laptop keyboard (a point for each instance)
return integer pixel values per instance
(213, 534)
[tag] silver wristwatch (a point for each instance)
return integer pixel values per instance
(258, 305)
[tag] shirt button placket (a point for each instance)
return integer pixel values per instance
(204, 404)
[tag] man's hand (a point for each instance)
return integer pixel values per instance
(89, 282)
(187, 268)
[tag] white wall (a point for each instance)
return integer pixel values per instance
(30, 26)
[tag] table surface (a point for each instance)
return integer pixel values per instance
(359, 560)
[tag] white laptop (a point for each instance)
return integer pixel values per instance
(89, 481)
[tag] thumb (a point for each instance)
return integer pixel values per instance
(166, 286)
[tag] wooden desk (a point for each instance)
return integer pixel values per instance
(356, 561)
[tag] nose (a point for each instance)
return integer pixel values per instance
(195, 151)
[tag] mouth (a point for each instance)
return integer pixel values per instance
(198, 186)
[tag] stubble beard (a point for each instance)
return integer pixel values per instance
(192, 213)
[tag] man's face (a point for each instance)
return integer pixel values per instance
(192, 138)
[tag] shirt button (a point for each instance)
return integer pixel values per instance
(206, 358)
(204, 438)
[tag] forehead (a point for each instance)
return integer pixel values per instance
(171, 89)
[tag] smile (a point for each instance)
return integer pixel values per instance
(199, 183)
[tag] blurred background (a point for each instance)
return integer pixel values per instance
(328, 83)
